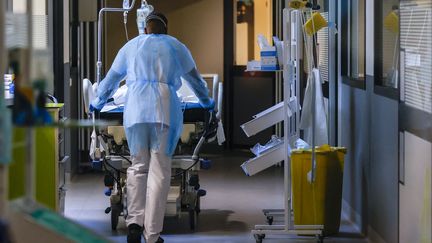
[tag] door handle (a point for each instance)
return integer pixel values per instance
(402, 158)
(402, 76)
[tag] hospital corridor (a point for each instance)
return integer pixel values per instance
(210, 121)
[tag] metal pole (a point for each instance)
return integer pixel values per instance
(286, 81)
(315, 62)
(30, 138)
(30, 166)
(99, 47)
(3, 189)
(3, 168)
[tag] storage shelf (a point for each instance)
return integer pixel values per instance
(264, 161)
(264, 120)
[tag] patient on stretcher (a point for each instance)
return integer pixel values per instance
(185, 94)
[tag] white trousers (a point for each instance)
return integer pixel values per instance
(148, 183)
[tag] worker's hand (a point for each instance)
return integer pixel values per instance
(92, 108)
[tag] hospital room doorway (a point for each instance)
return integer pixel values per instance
(244, 21)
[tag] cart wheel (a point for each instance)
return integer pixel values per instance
(259, 237)
(270, 220)
(192, 219)
(115, 213)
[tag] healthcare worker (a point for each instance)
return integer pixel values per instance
(152, 65)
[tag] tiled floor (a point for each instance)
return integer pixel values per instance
(229, 211)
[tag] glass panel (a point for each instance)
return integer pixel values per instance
(21, 69)
(323, 47)
(416, 44)
(356, 44)
(390, 43)
(252, 17)
(16, 42)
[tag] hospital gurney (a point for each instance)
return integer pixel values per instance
(201, 127)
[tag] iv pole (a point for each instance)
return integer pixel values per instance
(99, 47)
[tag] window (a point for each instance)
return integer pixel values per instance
(252, 17)
(17, 10)
(16, 40)
(323, 47)
(387, 44)
(416, 54)
(353, 42)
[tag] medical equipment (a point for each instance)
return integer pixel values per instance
(126, 8)
(259, 149)
(185, 191)
(142, 14)
(152, 119)
(295, 41)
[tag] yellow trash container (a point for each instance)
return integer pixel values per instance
(318, 202)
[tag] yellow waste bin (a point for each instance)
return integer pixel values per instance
(318, 202)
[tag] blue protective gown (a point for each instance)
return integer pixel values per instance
(152, 66)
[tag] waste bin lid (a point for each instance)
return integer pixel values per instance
(321, 149)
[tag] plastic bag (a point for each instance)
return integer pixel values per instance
(259, 149)
(321, 131)
(297, 144)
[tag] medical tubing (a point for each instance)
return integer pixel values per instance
(125, 14)
(99, 47)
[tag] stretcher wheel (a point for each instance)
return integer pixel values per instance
(115, 214)
(320, 239)
(259, 237)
